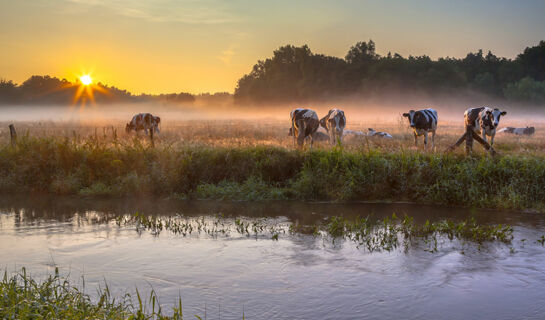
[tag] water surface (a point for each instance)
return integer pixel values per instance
(297, 277)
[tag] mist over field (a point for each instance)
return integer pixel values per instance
(386, 110)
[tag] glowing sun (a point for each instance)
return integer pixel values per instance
(86, 79)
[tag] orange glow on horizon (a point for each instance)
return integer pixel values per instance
(86, 90)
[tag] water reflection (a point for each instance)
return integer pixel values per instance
(296, 277)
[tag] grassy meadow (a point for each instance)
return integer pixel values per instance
(256, 160)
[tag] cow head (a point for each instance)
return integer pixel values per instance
(324, 120)
(492, 116)
(156, 121)
(129, 127)
(410, 116)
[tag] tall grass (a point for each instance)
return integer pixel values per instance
(24, 297)
(92, 168)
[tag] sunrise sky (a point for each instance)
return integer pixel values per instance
(159, 46)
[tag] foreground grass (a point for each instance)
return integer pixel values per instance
(254, 173)
(22, 297)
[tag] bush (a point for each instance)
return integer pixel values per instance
(527, 89)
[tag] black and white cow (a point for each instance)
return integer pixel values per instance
(484, 120)
(422, 122)
(334, 123)
(144, 121)
(304, 123)
(528, 131)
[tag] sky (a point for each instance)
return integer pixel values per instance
(164, 46)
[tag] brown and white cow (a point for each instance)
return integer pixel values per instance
(484, 120)
(304, 123)
(334, 123)
(144, 121)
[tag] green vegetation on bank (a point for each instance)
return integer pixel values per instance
(23, 297)
(46, 165)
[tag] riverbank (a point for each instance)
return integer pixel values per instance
(62, 167)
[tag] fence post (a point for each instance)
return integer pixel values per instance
(13, 135)
(151, 136)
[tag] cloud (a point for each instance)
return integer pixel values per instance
(186, 11)
(227, 55)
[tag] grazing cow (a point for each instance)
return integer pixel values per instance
(422, 122)
(484, 120)
(519, 131)
(373, 133)
(304, 123)
(144, 121)
(334, 123)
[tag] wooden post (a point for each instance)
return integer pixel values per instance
(151, 136)
(468, 137)
(13, 135)
(114, 133)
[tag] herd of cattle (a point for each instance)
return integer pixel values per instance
(305, 124)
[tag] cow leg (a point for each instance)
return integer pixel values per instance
(294, 133)
(470, 133)
(484, 135)
(340, 133)
(301, 133)
(433, 139)
(415, 136)
(426, 140)
(332, 136)
(492, 140)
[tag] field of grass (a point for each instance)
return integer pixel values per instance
(271, 132)
(243, 160)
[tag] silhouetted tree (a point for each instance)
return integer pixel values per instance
(296, 74)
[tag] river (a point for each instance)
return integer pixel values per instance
(298, 276)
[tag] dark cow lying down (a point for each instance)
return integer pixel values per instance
(316, 136)
(143, 121)
(519, 131)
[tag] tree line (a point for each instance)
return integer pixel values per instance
(297, 74)
(47, 90)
